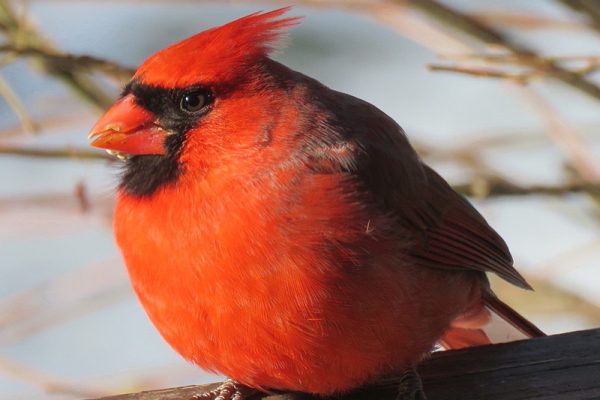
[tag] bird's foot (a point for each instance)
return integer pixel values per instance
(228, 390)
(410, 387)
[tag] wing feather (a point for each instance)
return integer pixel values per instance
(447, 231)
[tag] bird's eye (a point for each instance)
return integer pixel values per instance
(193, 101)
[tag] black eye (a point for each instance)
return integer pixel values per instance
(193, 101)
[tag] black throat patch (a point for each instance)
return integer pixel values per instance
(143, 175)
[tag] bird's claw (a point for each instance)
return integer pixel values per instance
(410, 387)
(228, 390)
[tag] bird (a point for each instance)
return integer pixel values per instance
(285, 234)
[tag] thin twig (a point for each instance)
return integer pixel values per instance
(550, 297)
(522, 59)
(565, 136)
(505, 18)
(590, 8)
(69, 61)
(493, 187)
(479, 30)
(67, 152)
(82, 196)
(19, 33)
(100, 206)
(590, 62)
(17, 106)
(585, 165)
(52, 122)
(520, 78)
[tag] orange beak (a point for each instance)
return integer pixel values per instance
(130, 129)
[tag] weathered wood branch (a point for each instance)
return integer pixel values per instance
(560, 367)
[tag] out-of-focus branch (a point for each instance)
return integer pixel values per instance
(67, 152)
(66, 203)
(15, 103)
(464, 23)
(589, 8)
(476, 29)
(47, 382)
(481, 187)
(565, 136)
(53, 122)
(492, 187)
(588, 64)
(19, 33)
(69, 61)
(562, 133)
(66, 297)
(506, 18)
(520, 78)
(550, 298)
(82, 196)
(525, 59)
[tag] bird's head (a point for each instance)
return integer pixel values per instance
(206, 100)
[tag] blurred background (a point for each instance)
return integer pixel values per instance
(503, 98)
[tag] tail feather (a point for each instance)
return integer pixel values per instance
(496, 323)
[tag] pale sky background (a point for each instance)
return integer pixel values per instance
(351, 52)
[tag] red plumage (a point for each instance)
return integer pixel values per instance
(285, 234)
(219, 55)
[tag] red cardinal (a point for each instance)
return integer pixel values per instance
(285, 234)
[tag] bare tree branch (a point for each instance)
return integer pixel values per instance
(565, 136)
(589, 8)
(69, 61)
(67, 152)
(493, 187)
(520, 78)
(470, 26)
(19, 33)
(510, 18)
(17, 106)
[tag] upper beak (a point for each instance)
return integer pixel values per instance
(128, 128)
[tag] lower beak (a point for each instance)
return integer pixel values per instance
(128, 128)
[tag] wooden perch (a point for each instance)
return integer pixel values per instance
(560, 367)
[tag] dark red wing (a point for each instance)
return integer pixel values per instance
(454, 235)
(444, 229)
